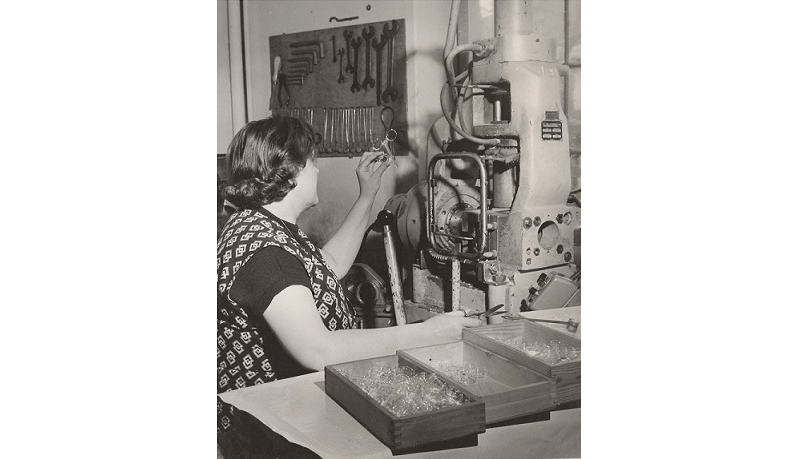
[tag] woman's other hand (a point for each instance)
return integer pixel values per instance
(448, 326)
(370, 170)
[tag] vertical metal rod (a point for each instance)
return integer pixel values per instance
(455, 281)
(346, 130)
(325, 130)
(396, 286)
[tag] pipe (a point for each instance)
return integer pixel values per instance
(236, 53)
(513, 17)
(450, 41)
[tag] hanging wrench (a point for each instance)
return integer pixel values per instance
(378, 45)
(347, 36)
(340, 80)
(333, 39)
(390, 92)
(369, 82)
(356, 86)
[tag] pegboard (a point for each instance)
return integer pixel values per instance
(333, 81)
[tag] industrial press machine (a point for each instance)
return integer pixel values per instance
(496, 221)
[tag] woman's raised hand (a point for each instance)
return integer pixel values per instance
(370, 170)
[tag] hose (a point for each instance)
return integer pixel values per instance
(451, 86)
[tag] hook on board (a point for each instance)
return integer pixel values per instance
(334, 18)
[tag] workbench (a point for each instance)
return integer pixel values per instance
(300, 410)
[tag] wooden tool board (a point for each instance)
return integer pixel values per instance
(347, 116)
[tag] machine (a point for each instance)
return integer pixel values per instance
(496, 222)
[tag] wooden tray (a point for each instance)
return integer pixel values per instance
(451, 427)
(508, 390)
(567, 375)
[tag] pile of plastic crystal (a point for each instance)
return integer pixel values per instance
(404, 392)
(465, 373)
(551, 353)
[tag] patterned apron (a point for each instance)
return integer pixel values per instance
(242, 359)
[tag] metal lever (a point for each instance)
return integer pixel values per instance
(571, 324)
(386, 221)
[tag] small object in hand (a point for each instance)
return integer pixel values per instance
(382, 158)
(386, 144)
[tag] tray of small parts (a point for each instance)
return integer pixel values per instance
(537, 347)
(508, 390)
(407, 408)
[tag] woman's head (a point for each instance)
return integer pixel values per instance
(264, 159)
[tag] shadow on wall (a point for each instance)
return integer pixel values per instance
(223, 212)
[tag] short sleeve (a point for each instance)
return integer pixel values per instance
(266, 274)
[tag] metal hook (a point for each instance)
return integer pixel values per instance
(334, 18)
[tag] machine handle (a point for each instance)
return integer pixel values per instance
(483, 234)
(387, 221)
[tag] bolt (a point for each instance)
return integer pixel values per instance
(560, 248)
(493, 269)
(537, 221)
(536, 252)
(567, 257)
(528, 261)
(527, 222)
(560, 218)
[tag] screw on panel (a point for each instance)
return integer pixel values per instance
(536, 252)
(537, 221)
(527, 222)
(560, 248)
(567, 257)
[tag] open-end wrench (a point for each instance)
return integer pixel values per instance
(378, 45)
(340, 80)
(333, 39)
(356, 86)
(369, 82)
(347, 36)
(334, 127)
(390, 93)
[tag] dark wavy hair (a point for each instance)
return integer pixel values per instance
(264, 158)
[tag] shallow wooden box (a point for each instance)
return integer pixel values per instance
(452, 427)
(508, 390)
(567, 375)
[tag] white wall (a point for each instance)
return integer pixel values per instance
(224, 99)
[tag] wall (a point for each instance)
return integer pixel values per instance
(224, 96)
(426, 23)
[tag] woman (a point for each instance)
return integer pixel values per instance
(281, 309)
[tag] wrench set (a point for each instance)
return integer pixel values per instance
(345, 82)
(345, 130)
(383, 94)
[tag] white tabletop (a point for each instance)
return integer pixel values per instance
(300, 410)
